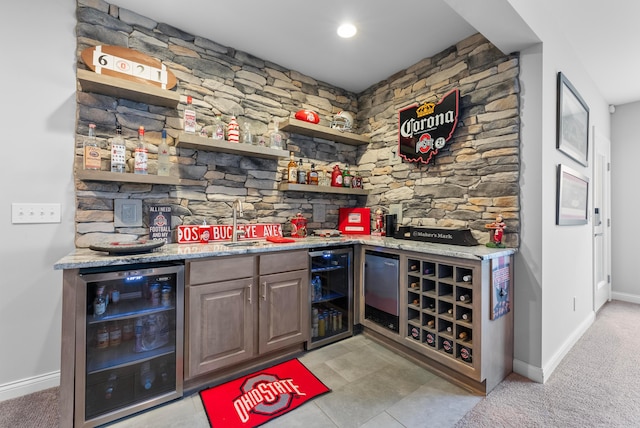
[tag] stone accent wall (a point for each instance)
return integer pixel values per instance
(471, 180)
(475, 177)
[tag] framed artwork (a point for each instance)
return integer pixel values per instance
(572, 197)
(573, 122)
(500, 287)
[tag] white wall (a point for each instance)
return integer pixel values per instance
(625, 228)
(555, 263)
(38, 50)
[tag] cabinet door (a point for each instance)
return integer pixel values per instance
(284, 310)
(220, 330)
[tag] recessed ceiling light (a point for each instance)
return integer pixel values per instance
(347, 30)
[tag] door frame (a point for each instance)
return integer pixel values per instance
(601, 227)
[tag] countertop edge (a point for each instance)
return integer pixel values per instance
(86, 258)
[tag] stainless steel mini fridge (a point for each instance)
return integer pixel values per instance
(331, 295)
(130, 343)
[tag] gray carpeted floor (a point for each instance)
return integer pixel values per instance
(596, 385)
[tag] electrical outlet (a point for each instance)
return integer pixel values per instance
(397, 210)
(35, 213)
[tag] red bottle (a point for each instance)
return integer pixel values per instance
(336, 177)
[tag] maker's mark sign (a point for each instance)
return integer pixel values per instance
(427, 128)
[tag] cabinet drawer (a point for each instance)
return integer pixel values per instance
(220, 269)
(283, 262)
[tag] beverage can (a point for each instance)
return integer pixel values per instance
(166, 296)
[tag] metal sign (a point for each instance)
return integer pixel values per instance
(425, 129)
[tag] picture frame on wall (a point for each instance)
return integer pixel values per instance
(573, 122)
(572, 197)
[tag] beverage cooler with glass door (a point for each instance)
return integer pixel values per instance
(331, 294)
(129, 345)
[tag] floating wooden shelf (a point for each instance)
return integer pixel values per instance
(291, 187)
(317, 131)
(120, 88)
(89, 175)
(193, 141)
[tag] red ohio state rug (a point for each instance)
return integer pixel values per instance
(253, 400)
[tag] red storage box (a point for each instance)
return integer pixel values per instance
(354, 221)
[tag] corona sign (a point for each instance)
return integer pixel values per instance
(426, 129)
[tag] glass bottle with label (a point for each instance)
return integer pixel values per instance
(92, 158)
(277, 139)
(164, 165)
(141, 154)
(346, 177)
(302, 173)
(99, 303)
(312, 177)
(118, 152)
(218, 130)
(247, 135)
(292, 169)
(189, 116)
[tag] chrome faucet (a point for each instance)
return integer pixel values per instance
(237, 210)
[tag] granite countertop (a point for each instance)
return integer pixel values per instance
(85, 257)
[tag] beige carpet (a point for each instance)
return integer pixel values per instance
(596, 385)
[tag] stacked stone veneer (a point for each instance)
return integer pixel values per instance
(471, 180)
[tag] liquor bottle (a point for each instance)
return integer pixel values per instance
(189, 116)
(302, 174)
(233, 130)
(102, 337)
(462, 335)
(465, 298)
(431, 323)
(277, 139)
(247, 136)
(141, 154)
(292, 169)
(91, 158)
(346, 177)
(118, 152)
(466, 316)
(312, 177)
(163, 155)
(324, 177)
(356, 182)
(336, 177)
(115, 334)
(218, 132)
(147, 375)
(99, 303)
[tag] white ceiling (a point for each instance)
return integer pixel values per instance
(393, 35)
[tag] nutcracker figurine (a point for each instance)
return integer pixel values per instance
(378, 230)
(299, 226)
(498, 227)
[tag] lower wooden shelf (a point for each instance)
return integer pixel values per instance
(291, 187)
(89, 175)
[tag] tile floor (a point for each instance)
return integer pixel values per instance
(371, 387)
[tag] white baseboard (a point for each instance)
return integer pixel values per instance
(542, 374)
(30, 385)
(625, 297)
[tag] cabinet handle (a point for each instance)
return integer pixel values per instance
(250, 287)
(264, 291)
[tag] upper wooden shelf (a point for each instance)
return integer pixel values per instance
(120, 88)
(127, 177)
(305, 128)
(193, 141)
(292, 187)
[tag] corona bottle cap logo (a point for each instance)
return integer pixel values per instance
(425, 109)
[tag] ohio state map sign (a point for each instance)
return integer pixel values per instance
(426, 129)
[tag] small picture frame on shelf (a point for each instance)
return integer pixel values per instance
(572, 122)
(572, 197)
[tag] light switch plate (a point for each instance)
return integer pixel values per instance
(35, 213)
(127, 213)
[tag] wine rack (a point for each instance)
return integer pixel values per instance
(440, 308)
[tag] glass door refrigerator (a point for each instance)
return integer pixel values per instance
(331, 295)
(129, 345)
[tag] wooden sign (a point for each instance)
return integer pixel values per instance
(128, 64)
(425, 129)
(222, 232)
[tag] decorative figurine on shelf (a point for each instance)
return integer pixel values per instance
(299, 224)
(233, 130)
(498, 227)
(378, 230)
